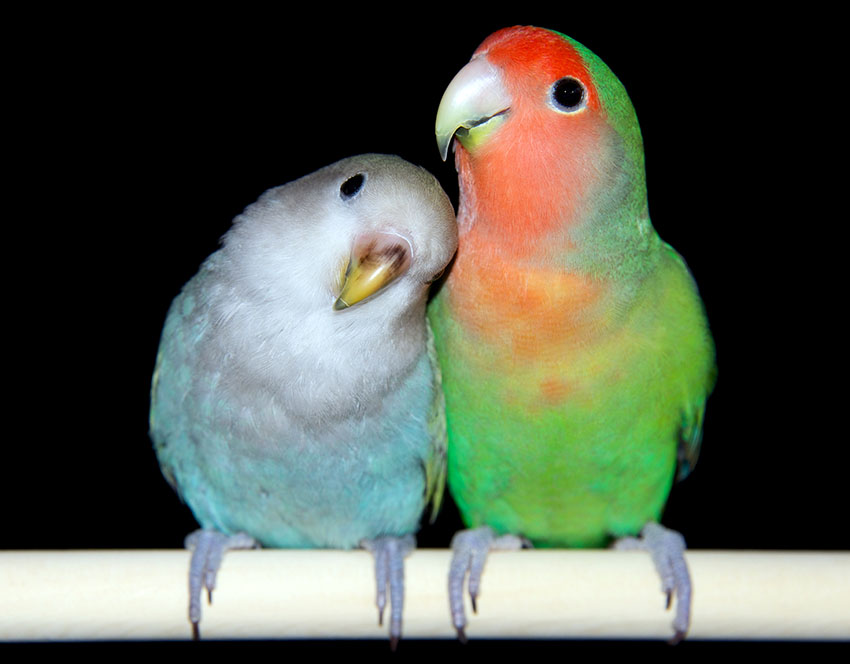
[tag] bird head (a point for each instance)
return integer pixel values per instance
(543, 130)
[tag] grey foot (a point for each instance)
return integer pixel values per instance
(389, 553)
(469, 553)
(208, 548)
(667, 549)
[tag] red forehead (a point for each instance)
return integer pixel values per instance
(536, 57)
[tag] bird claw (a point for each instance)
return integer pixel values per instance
(389, 553)
(469, 553)
(208, 548)
(667, 549)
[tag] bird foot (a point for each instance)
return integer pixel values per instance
(389, 553)
(208, 548)
(667, 549)
(469, 553)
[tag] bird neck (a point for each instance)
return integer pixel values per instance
(558, 252)
(537, 208)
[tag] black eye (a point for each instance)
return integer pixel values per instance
(351, 186)
(568, 95)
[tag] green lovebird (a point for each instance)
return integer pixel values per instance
(296, 399)
(575, 351)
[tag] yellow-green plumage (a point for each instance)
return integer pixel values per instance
(595, 455)
(575, 352)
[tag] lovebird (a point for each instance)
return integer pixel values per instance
(296, 398)
(574, 346)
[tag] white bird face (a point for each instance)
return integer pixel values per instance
(347, 233)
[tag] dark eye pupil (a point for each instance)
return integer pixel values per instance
(568, 93)
(351, 186)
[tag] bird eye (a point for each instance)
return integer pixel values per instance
(568, 95)
(351, 186)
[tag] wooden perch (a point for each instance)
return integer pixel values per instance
(285, 594)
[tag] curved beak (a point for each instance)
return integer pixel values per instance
(377, 259)
(473, 105)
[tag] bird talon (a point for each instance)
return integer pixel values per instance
(389, 553)
(469, 553)
(208, 548)
(667, 549)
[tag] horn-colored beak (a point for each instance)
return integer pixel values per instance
(473, 105)
(377, 259)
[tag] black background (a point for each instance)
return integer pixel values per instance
(137, 137)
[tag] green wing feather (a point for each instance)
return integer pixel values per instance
(435, 469)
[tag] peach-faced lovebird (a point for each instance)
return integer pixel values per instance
(575, 351)
(296, 400)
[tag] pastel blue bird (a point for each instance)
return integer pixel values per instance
(296, 399)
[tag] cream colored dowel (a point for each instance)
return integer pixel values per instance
(93, 595)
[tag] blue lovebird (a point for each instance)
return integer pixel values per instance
(296, 399)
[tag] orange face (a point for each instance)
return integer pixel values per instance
(534, 173)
